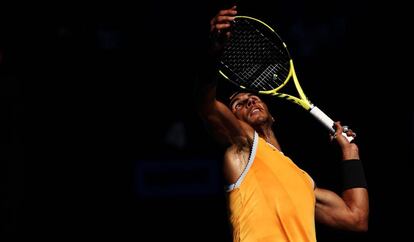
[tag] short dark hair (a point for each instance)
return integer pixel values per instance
(226, 91)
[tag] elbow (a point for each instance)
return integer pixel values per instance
(360, 224)
(365, 228)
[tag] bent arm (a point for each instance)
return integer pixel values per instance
(349, 212)
(221, 121)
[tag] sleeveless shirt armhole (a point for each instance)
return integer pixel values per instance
(252, 155)
(313, 182)
(311, 179)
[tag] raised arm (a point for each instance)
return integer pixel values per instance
(350, 210)
(221, 121)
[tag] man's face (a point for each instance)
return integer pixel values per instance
(249, 108)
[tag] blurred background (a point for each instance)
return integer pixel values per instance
(100, 138)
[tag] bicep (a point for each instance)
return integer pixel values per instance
(329, 206)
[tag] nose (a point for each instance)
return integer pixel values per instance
(251, 101)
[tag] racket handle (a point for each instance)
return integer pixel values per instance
(325, 120)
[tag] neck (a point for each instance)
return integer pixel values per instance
(268, 135)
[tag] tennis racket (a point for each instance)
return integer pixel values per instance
(256, 59)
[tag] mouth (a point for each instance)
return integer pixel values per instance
(254, 111)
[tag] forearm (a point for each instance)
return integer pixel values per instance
(350, 209)
(209, 59)
(355, 193)
(357, 202)
(206, 80)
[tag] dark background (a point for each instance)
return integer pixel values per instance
(100, 138)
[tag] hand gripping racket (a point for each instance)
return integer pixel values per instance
(256, 59)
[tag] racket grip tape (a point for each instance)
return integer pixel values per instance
(326, 121)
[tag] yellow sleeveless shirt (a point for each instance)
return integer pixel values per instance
(273, 200)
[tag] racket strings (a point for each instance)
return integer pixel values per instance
(255, 60)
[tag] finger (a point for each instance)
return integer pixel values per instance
(223, 19)
(222, 26)
(231, 11)
(223, 22)
(351, 133)
(338, 128)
